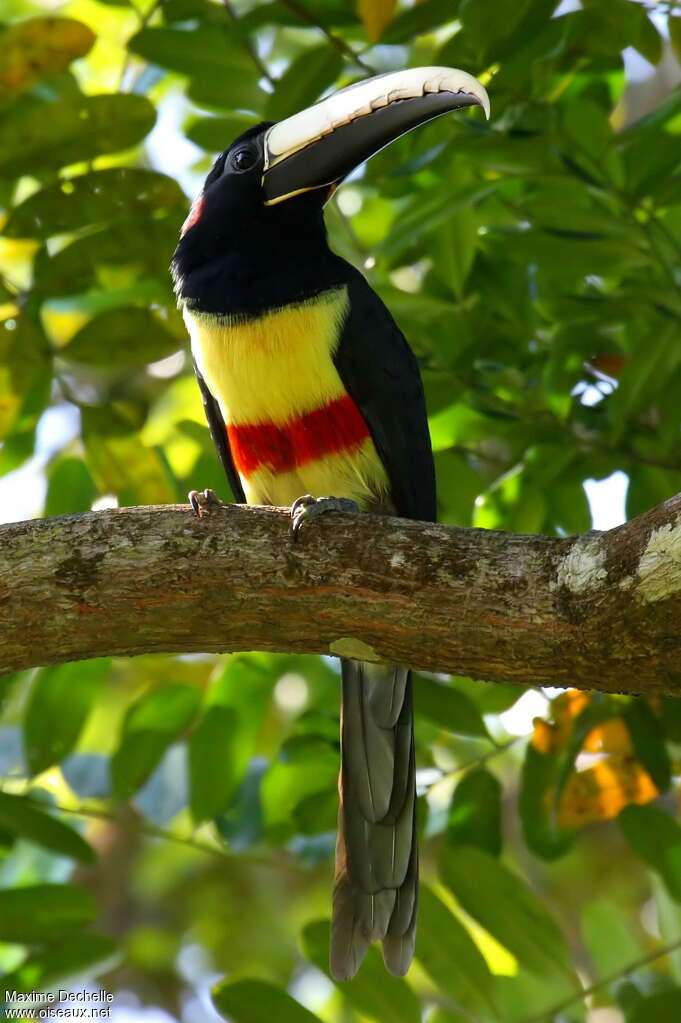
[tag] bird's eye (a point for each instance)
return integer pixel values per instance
(243, 159)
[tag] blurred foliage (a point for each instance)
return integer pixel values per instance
(170, 820)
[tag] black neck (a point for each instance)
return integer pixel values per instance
(265, 268)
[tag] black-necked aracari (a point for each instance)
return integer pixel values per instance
(310, 389)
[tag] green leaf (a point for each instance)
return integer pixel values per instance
(539, 776)
(121, 337)
(168, 709)
(475, 812)
(648, 40)
(245, 684)
(288, 784)
(25, 372)
(505, 906)
(670, 716)
(43, 912)
(488, 697)
(327, 13)
(647, 736)
(137, 250)
(609, 938)
(256, 1001)
(674, 26)
(220, 67)
(448, 708)
(53, 135)
(121, 464)
(655, 360)
(663, 1007)
(450, 957)
(656, 838)
(424, 213)
(422, 17)
(489, 36)
(215, 133)
(373, 992)
(98, 198)
(587, 126)
(59, 704)
(650, 172)
(70, 487)
(232, 89)
(304, 80)
(202, 51)
(456, 244)
(211, 762)
(151, 725)
(25, 818)
(317, 813)
(241, 824)
(447, 1016)
(72, 958)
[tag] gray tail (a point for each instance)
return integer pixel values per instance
(376, 882)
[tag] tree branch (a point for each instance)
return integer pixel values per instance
(600, 611)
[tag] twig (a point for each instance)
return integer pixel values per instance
(152, 831)
(579, 996)
(253, 51)
(335, 41)
(495, 751)
(143, 21)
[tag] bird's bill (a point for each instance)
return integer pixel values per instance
(319, 146)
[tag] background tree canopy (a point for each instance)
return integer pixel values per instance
(168, 821)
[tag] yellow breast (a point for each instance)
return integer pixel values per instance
(291, 426)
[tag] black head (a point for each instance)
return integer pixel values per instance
(238, 254)
(255, 238)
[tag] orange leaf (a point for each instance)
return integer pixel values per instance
(38, 47)
(600, 792)
(376, 15)
(569, 705)
(610, 737)
(564, 709)
(544, 736)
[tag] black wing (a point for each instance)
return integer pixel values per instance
(218, 432)
(381, 374)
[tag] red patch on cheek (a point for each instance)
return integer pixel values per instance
(195, 215)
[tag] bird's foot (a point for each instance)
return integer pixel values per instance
(308, 507)
(204, 502)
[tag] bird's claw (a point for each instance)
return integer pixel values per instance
(203, 502)
(308, 507)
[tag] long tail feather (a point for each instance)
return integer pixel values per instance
(375, 889)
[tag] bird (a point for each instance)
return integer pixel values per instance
(314, 401)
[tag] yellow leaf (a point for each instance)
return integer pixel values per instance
(376, 15)
(544, 736)
(566, 707)
(610, 737)
(600, 792)
(553, 736)
(38, 47)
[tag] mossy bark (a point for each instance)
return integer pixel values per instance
(601, 611)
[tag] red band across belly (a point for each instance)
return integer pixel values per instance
(330, 429)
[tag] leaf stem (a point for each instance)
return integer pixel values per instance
(152, 831)
(579, 996)
(143, 20)
(336, 41)
(253, 50)
(495, 751)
